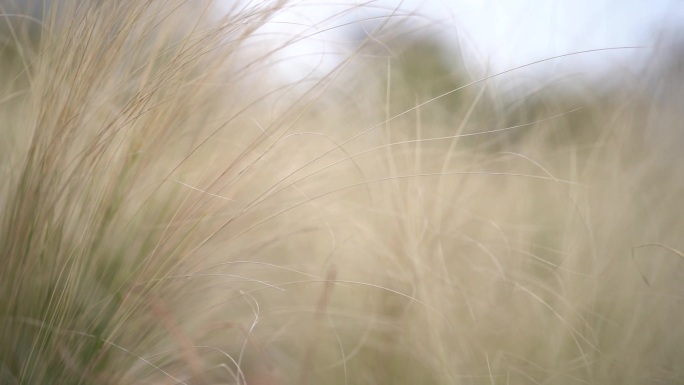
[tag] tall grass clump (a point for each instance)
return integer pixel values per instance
(174, 210)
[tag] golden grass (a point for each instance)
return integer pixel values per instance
(171, 213)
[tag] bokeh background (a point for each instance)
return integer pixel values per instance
(377, 193)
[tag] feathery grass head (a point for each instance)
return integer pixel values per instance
(173, 210)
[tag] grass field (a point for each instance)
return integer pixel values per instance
(175, 211)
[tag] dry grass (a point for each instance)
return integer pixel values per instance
(172, 213)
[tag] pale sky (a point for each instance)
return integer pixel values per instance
(502, 34)
(513, 32)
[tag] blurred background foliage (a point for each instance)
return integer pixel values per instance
(627, 134)
(412, 67)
